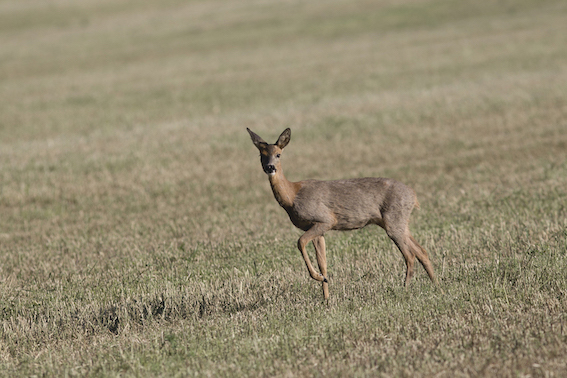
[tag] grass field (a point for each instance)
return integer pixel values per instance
(139, 235)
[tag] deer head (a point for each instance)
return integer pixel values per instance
(270, 154)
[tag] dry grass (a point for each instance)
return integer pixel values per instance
(138, 234)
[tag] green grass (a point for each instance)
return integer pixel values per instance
(139, 235)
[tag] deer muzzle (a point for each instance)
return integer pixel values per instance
(270, 169)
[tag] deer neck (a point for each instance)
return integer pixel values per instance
(284, 190)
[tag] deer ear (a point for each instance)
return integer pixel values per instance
(256, 139)
(284, 139)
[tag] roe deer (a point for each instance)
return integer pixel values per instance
(319, 206)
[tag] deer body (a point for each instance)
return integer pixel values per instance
(319, 206)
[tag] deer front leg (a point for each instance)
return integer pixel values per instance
(319, 244)
(314, 232)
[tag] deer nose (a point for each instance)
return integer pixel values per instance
(269, 169)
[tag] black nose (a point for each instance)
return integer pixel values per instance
(269, 169)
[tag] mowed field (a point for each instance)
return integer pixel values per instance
(139, 235)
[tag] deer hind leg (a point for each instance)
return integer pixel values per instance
(313, 233)
(319, 244)
(421, 255)
(402, 242)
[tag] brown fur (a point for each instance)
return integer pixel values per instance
(319, 206)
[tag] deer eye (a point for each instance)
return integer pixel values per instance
(278, 156)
